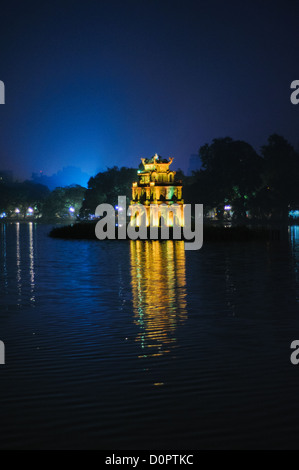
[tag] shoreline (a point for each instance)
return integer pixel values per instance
(86, 231)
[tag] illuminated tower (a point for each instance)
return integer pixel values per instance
(157, 185)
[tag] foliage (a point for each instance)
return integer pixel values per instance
(59, 202)
(231, 173)
(106, 186)
(264, 186)
(280, 176)
(15, 195)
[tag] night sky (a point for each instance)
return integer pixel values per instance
(101, 83)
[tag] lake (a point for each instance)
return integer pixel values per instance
(121, 345)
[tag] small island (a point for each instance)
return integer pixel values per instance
(158, 187)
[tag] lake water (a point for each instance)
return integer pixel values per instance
(141, 345)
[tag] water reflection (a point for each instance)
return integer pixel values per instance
(17, 261)
(294, 241)
(294, 233)
(4, 258)
(159, 293)
(31, 263)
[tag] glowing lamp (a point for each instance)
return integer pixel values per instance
(227, 208)
(72, 210)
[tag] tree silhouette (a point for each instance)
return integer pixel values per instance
(106, 186)
(280, 176)
(230, 175)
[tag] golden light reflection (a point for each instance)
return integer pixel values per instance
(159, 293)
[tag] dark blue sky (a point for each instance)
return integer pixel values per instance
(101, 83)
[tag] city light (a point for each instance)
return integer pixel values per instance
(72, 210)
(294, 214)
(30, 211)
(227, 208)
(17, 211)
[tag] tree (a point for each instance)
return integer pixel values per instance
(61, 200)
(106, 186)
(280, 176)
(230, 175)
(22, 196)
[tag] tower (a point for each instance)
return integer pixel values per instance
(157, 185)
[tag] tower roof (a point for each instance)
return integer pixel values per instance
(157, 159)
(156, 162)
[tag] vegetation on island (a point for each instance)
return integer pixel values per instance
(262, 186)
